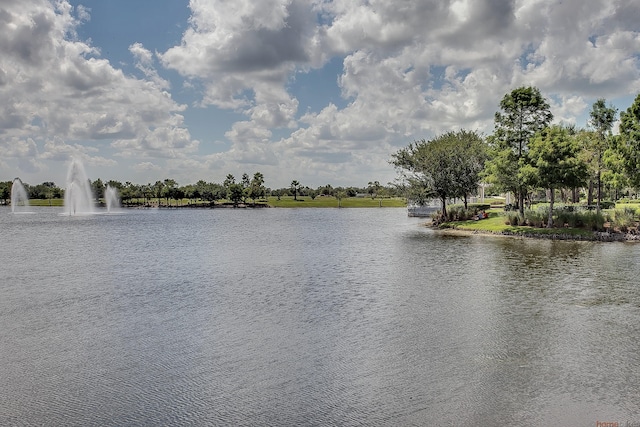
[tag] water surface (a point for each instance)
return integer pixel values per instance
(309, 317)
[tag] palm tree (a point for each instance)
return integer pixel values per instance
(294, 186)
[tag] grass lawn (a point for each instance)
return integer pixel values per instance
(495, 223)
(633, 205)
(46, 202)
(332, 202)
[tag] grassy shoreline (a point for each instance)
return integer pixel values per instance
(495, 225)
(274, 202)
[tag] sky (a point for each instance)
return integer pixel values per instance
(318, 91)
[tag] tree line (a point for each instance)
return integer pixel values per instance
(526, 155)
(248, 189)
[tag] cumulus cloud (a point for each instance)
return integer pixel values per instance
(410, 69)
(54, 85)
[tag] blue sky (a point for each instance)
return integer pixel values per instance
(318, 91)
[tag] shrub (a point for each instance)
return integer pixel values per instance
(512, 218)
(593, 220)
(563, 217)
(537, 218)
(623, 218)
(459, 213)
(575, 220)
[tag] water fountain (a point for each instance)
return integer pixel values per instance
(111, 198)
(78, 198)
(18, 194)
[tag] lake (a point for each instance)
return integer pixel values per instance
(283, 317)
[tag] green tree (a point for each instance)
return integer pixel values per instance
(157, 189)
(613, 175)
(246, 182)
(235, 193)
(601, 119)
(211, 192)
(439, 168)
(246, 187)
(230, 179)
(554, 163)
(376, 190)
(326, 190)
(97, 188)
(129, 191)
(523, 113)
(169, 190)
(5, 191)
(471, 155)
(256, 188)
(294, 188)
(373, 188)
(630, 141)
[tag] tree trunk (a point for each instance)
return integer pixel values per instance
(599, 192)
(465, 202)
(590, 193)
(521, 203)
(552, 197)
(444, 208)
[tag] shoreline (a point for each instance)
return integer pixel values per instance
(596, 236)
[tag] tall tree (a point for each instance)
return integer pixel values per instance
(523, 113)
(294, 187)
(257, 188)
(630, 144)
(235, 193)
(97, 188)
(614, 175)
(157, 190)
(169, 189)
(554, 163)
(601, 119)
(440, 168)
(471, 154)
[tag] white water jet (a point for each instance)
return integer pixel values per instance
(78, 198)
(18, 194)
(111, 198)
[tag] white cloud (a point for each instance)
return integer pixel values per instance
(54, 85)
(410, 69)
(147, 166)
(144, 63)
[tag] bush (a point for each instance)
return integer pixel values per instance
(562, 217)
(593, 220)
(537, 218)
(459, 213)
(575, 220)
(512, 218)
(622, 219)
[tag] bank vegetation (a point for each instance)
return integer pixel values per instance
(557, 176)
